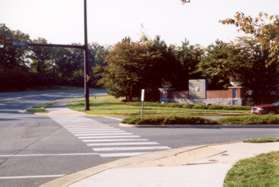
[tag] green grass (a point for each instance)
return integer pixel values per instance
(108, 105)
(265, 139)
(259, 171)
(251, 119)
(164, 120)
(41, 108)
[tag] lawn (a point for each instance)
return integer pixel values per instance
(109, 105)
(262, 170)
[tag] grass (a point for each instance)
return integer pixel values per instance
(41, 108)
(164, 120)
(265, 139)
(259, 171)
(108, 105)
(251, 119)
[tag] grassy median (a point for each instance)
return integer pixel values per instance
(262, 170)
(109, 105)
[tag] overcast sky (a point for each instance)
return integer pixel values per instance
(61, 21)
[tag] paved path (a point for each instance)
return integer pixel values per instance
(104, 140)
(202, 167)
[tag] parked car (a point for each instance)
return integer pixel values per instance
(266, 108)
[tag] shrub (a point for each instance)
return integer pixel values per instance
(266, 139)
(251, 119)
(163, 120)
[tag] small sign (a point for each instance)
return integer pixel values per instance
(142, 95)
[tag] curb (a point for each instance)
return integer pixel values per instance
(197, 126)
(68, 180)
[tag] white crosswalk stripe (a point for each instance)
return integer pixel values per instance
(129, 148)
(107, 141)
(121, 143)
(116, 140)
(127, 154)
(101, 134)
(103, 137)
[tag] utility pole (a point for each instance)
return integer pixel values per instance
(86, 63)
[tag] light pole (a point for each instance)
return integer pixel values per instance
(86, 58)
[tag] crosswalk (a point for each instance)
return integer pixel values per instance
(109, 142)
(104, 140)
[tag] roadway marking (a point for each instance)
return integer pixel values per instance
(116, 140)
(31, 177)
(102, 134)
(90, 131)
(48, 155)
(129, 148)
(122, 143)
(111, 155)
(90, 128)
(105, 140)
(103, 137)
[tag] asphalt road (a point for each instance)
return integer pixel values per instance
(34, 150)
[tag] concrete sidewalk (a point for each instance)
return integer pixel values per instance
(199, 166)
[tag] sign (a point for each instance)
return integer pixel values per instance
(197, 89)
(142, 95)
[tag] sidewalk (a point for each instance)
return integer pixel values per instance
(203, 167)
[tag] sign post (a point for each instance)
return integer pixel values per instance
(142, 102)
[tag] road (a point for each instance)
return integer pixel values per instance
(34, 149)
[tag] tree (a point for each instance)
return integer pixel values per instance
(222, 62)
(188, 57)
(262, 43)
(135, 65)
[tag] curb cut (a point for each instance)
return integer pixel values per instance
(68, 180)
(197, 126)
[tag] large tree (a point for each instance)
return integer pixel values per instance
(145, 64)
(262, 43)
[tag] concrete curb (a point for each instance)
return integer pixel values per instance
(197, 126)
(149, 157)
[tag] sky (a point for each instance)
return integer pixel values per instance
(61, 21)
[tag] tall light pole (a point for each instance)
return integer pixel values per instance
(86, 59)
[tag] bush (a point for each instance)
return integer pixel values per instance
(163, 120)
(252, 119)
(266, 139)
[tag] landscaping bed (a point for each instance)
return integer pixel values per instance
(166, 120)
(262, 140)
(251, 119)
(262, 170)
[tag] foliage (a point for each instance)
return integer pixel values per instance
(164, 120)
(149, 64)
(262, 45)
(261, 170)
(251, 119)
(136, 65)
(223, 61)
(23, 66)
(265, 139)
